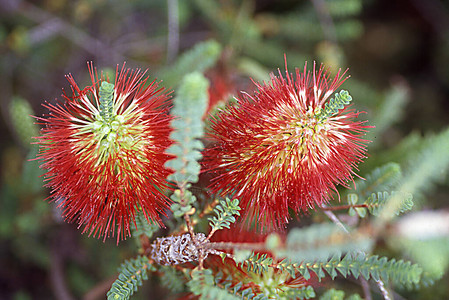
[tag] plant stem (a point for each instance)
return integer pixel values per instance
(343, 207)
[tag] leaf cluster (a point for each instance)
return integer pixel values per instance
(132, 273)
(143, 226)
(203, 284)
(198, 59)
(224, 212)
(106, 94)
(335, 104)
(188, 108)
(321, 241)
(183, 201)
(356, 265)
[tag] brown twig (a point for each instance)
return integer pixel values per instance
(343, 207)
(236, 246)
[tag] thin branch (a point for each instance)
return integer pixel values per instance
(236, 246)
(173, 30)
(366, 288)
(343, 207)
(334, 218)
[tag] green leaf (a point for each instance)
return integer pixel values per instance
(172, 279)
(201, 57)
(190, 104)
(321, 241)
(384, 178)
(334, 105)
(224, 212)
(376, 202)
(333, 294)
(183, 201)
(106, 94)
(203, 284)
(132, 274)
(21, 112)
(143, 226)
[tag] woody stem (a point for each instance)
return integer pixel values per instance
(343, 207)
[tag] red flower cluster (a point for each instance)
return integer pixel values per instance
(275, 151)
(103, 150)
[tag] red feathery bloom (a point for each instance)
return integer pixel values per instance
(281, 149)
(103, 150)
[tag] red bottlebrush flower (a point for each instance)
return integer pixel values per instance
(280, 149)
(103, 150)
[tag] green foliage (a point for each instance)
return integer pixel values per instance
(31, 173)
(20, 112)
(431, 254)
(143, 226)
(106, 94)
(184, 200)
(344, 27)
(257, 263)
(201, 279)
(300, 293)
(247, 293)
(369, 267)
(389, 112)
(354, 297)
(335, 104)
(203, 284)
(383, 178)
(333, 294)
(321, 241)
(198, 59)
(189, 107)
(225, 212)
(429, 165)
(172, 279)
(378, 200)
(132, 274)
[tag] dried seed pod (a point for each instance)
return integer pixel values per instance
(174, 250)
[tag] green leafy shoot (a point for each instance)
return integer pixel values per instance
(198, 59)
(335, 104)
(183, 201)
(20, 111)
(383, 178)
(377, 201)
(189, 106)
(203, 285)
(106, 94)
(321, 241)
(225, 212)
(356, 265)
(143, 226)
(132, 274)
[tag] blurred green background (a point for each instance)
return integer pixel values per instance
(397, 53)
